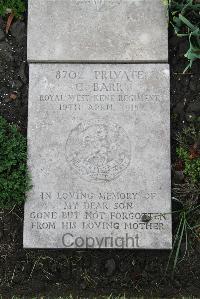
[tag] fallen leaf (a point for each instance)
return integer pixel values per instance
(13, 96)
(194, 152)
(9, 22)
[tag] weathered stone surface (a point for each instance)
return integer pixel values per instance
(99, 156)
(97, 30)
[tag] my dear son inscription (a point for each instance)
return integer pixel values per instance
(99, 155)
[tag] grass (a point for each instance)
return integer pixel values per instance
(187, 233)
(14, 180)
(94, 297)
(188, 153)
(188, 229)
(16, 7)
(191, 165)
(98, 297)
(77, 297)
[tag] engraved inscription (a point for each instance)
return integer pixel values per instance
(94, 129)
(96, 5)
(98, 150)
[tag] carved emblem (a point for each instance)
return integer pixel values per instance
(98, 150)
(98, 5)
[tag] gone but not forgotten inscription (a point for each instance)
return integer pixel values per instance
(99, 156)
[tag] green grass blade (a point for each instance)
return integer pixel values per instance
(174, 243)
(187, 22)
(179, 244)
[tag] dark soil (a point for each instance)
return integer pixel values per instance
(96, 272)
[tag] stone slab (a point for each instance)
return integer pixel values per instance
(97, 30)
(99, 156)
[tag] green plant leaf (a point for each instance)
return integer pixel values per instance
(14, 178)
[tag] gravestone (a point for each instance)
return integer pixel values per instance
(98, 134)
(99, 155)
(97, 31)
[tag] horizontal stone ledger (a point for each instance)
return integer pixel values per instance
(97, 31)
(99, 156)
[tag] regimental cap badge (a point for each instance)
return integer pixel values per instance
(97, 5)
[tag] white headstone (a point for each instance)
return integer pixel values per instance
(99, 156)
(97, 30)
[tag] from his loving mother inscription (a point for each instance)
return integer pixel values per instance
(99, 156)
(97, 30)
